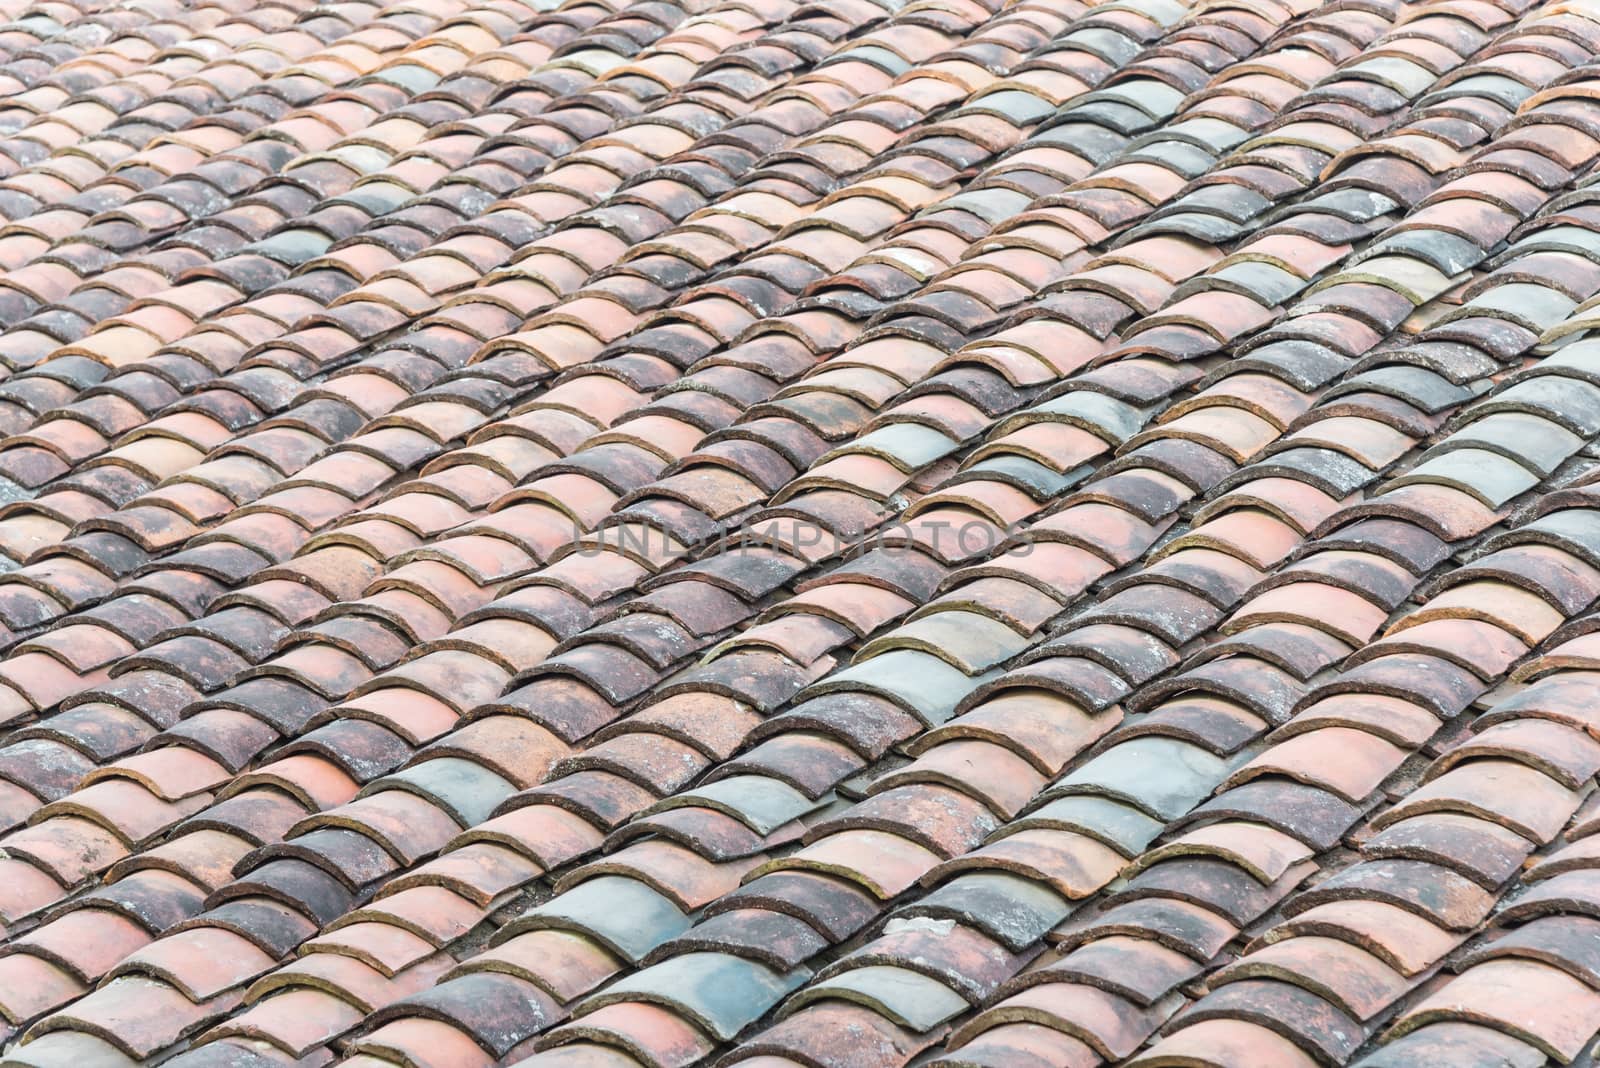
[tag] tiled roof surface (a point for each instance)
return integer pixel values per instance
(850, 534)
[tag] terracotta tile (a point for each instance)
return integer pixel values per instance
(1501, 994)
(1221, 1042)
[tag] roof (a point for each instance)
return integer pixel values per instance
(799, 535)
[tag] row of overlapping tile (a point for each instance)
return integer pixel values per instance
(698, 843)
